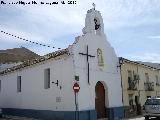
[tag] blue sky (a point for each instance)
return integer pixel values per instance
(132, 26)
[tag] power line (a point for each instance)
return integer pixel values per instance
(9, 34)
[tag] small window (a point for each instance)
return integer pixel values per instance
(157, 81)
(97, 23)
(147, 77)
(130, 100)
(0, 85)
(137, 100)
(129, 74)
(129, 78)
(47, 78)
(19, 83)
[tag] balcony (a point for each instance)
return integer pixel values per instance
(149, 86)
(132, 84)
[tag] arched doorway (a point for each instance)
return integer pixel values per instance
(100, 100)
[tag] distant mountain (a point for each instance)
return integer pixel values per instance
(16, 55)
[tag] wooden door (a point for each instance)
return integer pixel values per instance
(100, 100)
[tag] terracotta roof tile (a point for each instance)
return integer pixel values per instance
(35, 61)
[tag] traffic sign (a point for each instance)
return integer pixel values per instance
(76, 87)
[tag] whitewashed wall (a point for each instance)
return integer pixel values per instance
(33, 95)
(109, 75)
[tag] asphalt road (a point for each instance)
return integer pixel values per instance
(141, 118)
(24, 118)
(15, 118)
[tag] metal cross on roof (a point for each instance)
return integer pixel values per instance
(94, 6)
(87, 55)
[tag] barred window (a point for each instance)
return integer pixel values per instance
(47, 78)
(147, 77)
(0, 85)
(19, 83)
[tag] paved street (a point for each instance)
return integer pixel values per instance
(16, 118)
(24, 118)
(136, 118)
(141, 118)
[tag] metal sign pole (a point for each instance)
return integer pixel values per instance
(76, 89)
(76, 104)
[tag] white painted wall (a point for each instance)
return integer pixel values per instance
(33, 95)
(109, 75)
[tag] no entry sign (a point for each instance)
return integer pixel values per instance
(76, 87)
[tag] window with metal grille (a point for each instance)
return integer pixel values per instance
(0, 85)
(19, 83)
(47, 78)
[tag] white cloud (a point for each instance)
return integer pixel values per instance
(154, 37)
(22, 34)
(116, 13)
(47, 24)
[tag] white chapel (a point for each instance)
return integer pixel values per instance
(43, 88)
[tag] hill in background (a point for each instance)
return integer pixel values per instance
(16, 55)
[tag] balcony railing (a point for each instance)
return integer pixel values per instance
(132, 84)
(149, 86)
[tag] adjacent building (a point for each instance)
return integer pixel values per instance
(140, 80)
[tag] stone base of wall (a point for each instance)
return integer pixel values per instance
(51, 115)
(113, 113)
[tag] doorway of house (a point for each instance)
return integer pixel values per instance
(138, 105)
(100, 100)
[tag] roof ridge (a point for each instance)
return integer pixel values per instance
(36, 60)
(140, 62)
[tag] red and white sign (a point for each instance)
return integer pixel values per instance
(76, 87)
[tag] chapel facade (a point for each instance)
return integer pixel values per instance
(45, 85)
